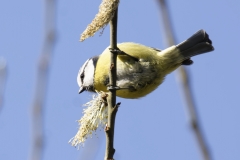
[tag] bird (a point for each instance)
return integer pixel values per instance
(140, 69)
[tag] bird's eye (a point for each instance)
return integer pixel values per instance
(82, 76)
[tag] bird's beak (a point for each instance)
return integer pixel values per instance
(81, 89)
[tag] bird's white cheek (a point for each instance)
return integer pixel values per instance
(89, 74)
(79, 81)
(81, 71)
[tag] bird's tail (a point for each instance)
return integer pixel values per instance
(197, 44)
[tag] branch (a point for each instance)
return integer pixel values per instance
(42, 80)
(112, 106)
(185, 83)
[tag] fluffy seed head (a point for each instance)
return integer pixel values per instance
(106, 11)
(95, 115)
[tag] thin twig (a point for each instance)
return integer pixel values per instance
(185, 83)
(112, 106)
(3, 77)
(42, 80)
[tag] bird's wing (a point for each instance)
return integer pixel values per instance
(156, 49)
(138, 52)
(125, 57)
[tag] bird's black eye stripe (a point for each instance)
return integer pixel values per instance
(82, 76)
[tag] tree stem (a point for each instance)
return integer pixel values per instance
(112, 107)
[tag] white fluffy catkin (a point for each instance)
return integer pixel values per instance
(94, 115)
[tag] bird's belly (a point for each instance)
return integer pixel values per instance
(135, 80)
(138, 92)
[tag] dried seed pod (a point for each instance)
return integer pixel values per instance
(106, 11)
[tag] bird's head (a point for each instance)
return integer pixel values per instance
(85, 78)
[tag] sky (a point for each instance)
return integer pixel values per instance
(153, 127)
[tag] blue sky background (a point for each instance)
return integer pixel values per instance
(153, 127)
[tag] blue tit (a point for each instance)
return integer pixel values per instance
(141, 69)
